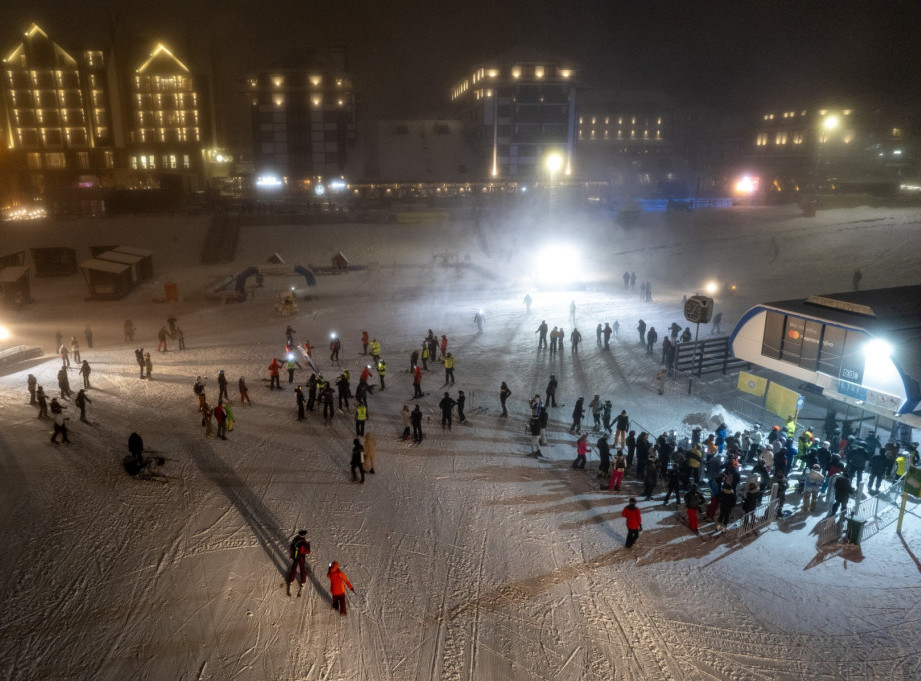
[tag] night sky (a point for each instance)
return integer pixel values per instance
(404, 55)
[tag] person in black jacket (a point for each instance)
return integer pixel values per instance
(551, 392)
(727, 498)
(299, 550)
(136, 448)
(577, 413)
(504, 394)
(650, 476)
(358, 459)
(672, 480)
(604, 456)
(415, 419)
(843, 492)
(878, 466)
(446, 404)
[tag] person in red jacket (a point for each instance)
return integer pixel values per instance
(634, 522)
(274, 367)
(364, 342)
(417, 382)
(337, 583)
(444, 347)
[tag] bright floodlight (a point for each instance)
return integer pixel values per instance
(557, 264)
(554, 162)
(4, 333)
(747, 185)
(877, 347)
(830, 122)
(711, 287)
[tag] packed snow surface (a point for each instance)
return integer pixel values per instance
(470, 560)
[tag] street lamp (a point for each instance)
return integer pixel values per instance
(554, 162)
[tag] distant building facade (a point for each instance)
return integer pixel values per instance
(517, 109)
(303, 118)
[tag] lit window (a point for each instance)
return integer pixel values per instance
(493, 73)
(315, 80)
(846, 112)
(316, 100)
(185, 160)
(822, 112)
(516, 72)
(278, 100)
(278, 81)
(593, 120)
(565, 73)
(896, 132)
(607, 120)
(538, 71)
(798, 137)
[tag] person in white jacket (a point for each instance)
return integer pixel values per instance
(767, 456)
(812, 483)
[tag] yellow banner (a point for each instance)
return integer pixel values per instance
(751, 384)
(781, 401)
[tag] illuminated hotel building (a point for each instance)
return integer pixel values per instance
(56, 122)
(517, 109)
(164, 119)
(832, 146)
(303, 119)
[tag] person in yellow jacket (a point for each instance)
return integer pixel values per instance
(790, 427)
(449, 369)
(381, 372)
(901, 465)
(375, 348)
(361, 415)
(694, 459)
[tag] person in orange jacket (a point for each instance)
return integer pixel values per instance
(444, 346)
(364, 342)
(337, 583)
(274, 368)
(634, 522)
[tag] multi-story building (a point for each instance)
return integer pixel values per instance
(165, 121)
(303, 118)
(832, 146)
(57, 123)
(518, 109)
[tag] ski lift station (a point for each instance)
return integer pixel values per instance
(861, 348)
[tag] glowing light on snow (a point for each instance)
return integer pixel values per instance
(557, 264)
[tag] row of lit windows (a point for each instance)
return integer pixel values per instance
(519, 71)
(46, 79)
(783, 137)
(167, 162)
(174, 119)
(175, 101)
(164, 83)
(280, 99)
(168, 135)
(620, 120)
(606, 134)
(47, 98)
(51, 137)
(793, 114)
(278, 81)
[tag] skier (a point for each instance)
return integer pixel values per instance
(425, 356)
(161, 340)
(335, 345)
(479, 318)
(651, 338)
(343, 390)
(527, 303)
(622, 423)
(381, 372)
(607, 336)
(542, 338)
(582, 450)
(274, 369)
(551, 391)
(222, 386)
(577, 413)
(461, 401)
(727, 501)
(148, 365)
(298, 551)
(199, 390)
(634, 522)
(554, 335)
(337, 583)
(405, 417)
(358, 460)
(675, 329)
(220, 415)
(80, 401)
(416, 419)
(449, 369)
(604, 455)
(446, 404)
(326, 398)
(299, 398)
(290, 364)
(574, 339)
(615, 327)
(361, 415)
(606, 415)
(534, 431)
(444, 346)
(504, 394)
(717, 320)
(64, 383)
(673, 485)
(42, 402)
(641, 329)
(75, 349)
(595, 407)
(619, 467)
(417, 383)
(85, 372)
(65, 356)
(60, 422)
(692, 502)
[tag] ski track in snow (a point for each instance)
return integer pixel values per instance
(470, 560)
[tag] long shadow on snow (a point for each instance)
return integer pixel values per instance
(260, 519)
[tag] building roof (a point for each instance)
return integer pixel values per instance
(890, 314)
(103, 266)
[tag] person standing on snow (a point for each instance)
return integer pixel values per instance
(374, 348)
(335, 345)
(417, 383)
(139, 358)
(337, 583)
(65, 356)
(42, 402)
(577, 413)
(551, 391)
(604, 456)
(75, 349)
(381, 372)
(572, 312)
(534, 431)
(298, 551)
(358, 460)
(527, 303)
(244, 391)
(88, 334)
(222, 386)
(692, 502)
(717, 320)
(161, 339)
(651, 338)
(479, 319)
(364, 342)
(634, 522)
(220, 415)
(148, 365)
(424, 357)
(504, 394)
(574, 339)
(461, 401)
(361, 415)
(329, 407)
(607, 336)
(407, 423)
(622, 424)
(449, 369)
(444, 346)
(31, 383)
(370, 447)
(299, 398)
(80, 401)
(447, 405)
(416, 419)
(274, 370)
(60, 422)
(595, 407)
(542, 338)
(641, 329)
(85, 372)
(582, 450)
